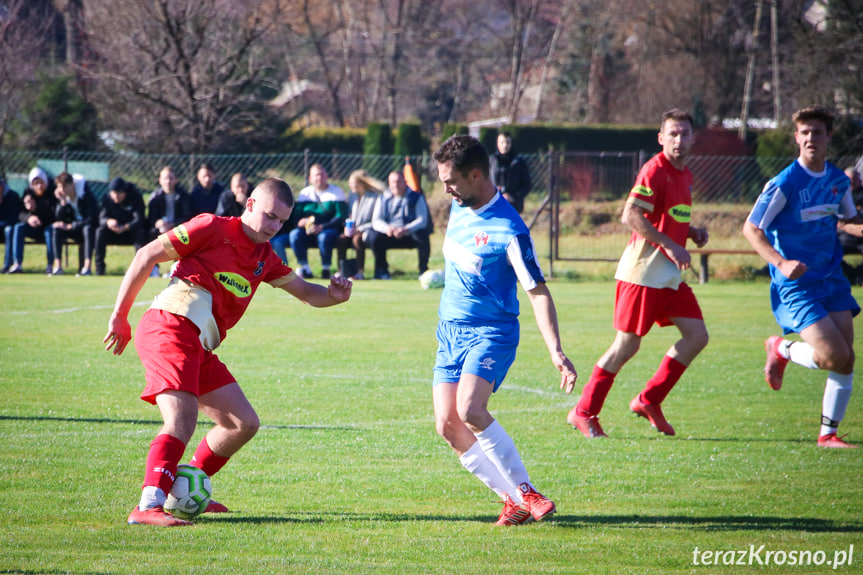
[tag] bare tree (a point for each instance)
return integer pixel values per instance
(182, 70)
(22, 38)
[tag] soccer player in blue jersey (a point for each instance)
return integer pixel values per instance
(793, 226)
(488, 251)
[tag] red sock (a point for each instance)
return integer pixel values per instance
(595, 391)
(165, 453)
(665, 378)
(207, 461)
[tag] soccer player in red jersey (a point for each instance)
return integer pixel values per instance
(221, 263)
(650, 288)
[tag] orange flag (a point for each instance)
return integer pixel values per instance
(411, 178)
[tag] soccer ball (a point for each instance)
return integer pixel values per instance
(190, 494)
(432, 279)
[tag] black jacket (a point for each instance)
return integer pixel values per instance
(511, 174)
(130, 211)
(87, 210)
(156, 207)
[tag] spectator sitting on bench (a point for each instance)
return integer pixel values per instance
(851, 235)
(233, 201)
(74, 218)
(320, 210)
(206, 193)
(169, 206)
(400, 221)
(10, 210)
(365, 191)
(121, 221)
(35, 220)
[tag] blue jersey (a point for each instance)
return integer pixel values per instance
(798, 211)
(487, 251)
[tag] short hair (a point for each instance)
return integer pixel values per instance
(206, 166)
(506, 135)
(317, 166)
(809, 113)
(64, 178)
(677, 115)
(279, 188)
(465, 152)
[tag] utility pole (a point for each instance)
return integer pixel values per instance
(750, 72)
(774, 55)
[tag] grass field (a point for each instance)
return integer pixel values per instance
(348, 476)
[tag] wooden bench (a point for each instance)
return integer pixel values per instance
(704, 270)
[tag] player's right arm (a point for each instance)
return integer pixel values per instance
(634, 217)
(792, 269)
(119, 331)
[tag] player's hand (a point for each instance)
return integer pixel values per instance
(792, 269)
(119, 334)
(699, 236)
(679, 256)
(567, 371)
(340, 289)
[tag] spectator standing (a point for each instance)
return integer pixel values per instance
(321, 211)
(121, 221)
(650, 288)
(400, 221)
(365, 192)
(10, 211)
(35, 221)
(233, 201)
(206, 193)
(793, 226)
(510, 172)
(75, 218)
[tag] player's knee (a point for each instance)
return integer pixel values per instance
(699, 339)
(838, 361)
(248, 426)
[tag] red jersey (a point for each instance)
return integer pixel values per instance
(666, 194)
(215, 254)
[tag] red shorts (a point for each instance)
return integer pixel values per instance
(174, 358)
(637, 308)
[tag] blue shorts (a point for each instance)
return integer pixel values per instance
(482, 350)
(798, 305)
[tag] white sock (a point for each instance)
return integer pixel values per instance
(475, 461)
(500, 449)
(151, 496)
(800, 353)
(837, 394)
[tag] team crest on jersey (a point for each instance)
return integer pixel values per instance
(681, 213)
(487, 363)
(182, 234)
(481, 238)
(259, 269)
(234, 283)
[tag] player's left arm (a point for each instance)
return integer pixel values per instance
(338, 291)
(546, 319)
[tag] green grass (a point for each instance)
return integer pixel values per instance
(348, 476)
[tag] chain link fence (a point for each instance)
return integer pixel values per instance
(574, 203)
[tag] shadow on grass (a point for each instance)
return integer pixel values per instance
(720, 523)
(203, 422)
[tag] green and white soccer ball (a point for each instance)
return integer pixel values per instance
(190, 494)
(432, 279)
